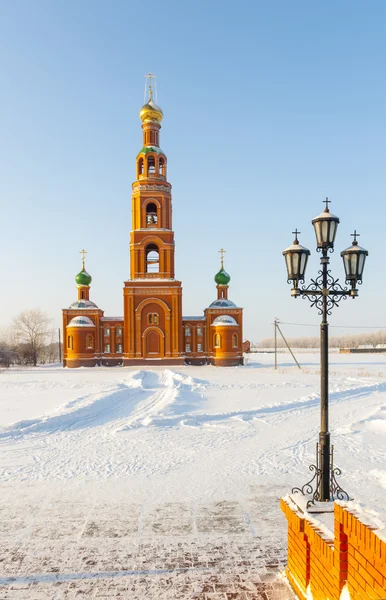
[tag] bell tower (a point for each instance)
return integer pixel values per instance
(152, 296)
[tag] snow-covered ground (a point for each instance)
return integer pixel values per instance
(192, 438)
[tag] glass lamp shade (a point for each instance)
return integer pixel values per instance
(296, 257)
(325, 226)
(354, 261)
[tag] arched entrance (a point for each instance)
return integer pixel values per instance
(153, 343)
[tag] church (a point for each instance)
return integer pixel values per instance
(152, 330)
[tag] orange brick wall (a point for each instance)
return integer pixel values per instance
(354, 556)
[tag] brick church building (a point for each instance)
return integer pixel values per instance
(152, 330)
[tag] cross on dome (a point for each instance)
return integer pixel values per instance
(83, 253)
(150, 77)
(355, 235)
(222, 252)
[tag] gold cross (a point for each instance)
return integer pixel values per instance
(83, 253)
(150, 77)
(222, 252)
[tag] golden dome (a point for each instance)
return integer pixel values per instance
(150, 112)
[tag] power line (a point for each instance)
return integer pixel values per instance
(336, 326)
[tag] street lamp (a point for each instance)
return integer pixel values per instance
(324, 292)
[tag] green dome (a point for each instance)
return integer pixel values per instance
(222, 277)
(83, 278)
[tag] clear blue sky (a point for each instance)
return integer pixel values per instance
(268, 107)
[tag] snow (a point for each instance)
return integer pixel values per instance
(193, 318)
(111, 318)
(224, 320)
(80, 322)
(201, 453)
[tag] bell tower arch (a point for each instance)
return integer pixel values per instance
(152, 274)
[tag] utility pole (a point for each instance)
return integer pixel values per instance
(276, 323)
(275, 328)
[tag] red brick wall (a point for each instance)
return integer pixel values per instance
(354, 556)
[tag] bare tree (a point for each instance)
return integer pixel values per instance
(31, 330)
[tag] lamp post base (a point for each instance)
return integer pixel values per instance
(313, 486)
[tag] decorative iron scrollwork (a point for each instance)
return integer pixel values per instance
(312, 487)
(317, 294)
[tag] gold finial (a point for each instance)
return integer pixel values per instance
(83, 253)
(222, 252)
(150, 77)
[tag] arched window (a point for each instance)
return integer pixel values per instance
(82, 295)
(140, 167)
(89, 342)
(217, 341)
(151, 165)
(69, 342)
(188, 331)
(161, 168)
(152, 258)
(152, 137)
(235, 341)
(151, 215)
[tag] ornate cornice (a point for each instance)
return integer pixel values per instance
(146, 187)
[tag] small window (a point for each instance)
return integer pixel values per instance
(119, 348)
(107, 348)
(217, 341)
(235, 342)
(69, 342)
(187, 347)
(199, 330)
(107, 331)
(152, 318)
(119, 330)
(187, 330)
(199, 347)
(90, 342)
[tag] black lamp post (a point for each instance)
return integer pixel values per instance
(324, 292)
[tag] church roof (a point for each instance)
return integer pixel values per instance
(193, 318)
(83, 278)
(151, 111)
(224, 320)
(222, 277)
(81, 321)
(222, 303)
(83, 304)
(147, 149)
(112, 319)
